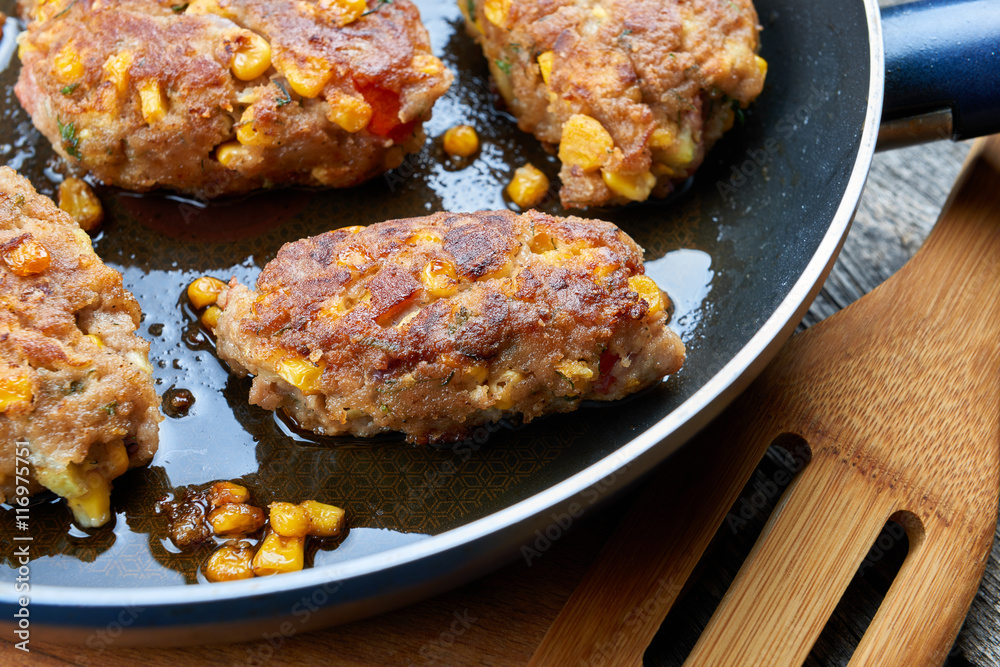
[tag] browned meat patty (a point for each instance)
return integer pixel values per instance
(433, 326)
(216, 97)
(76, 386)
(633, 92)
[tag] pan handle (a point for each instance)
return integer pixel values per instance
(942, 71)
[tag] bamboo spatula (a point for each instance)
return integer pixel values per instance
(898, 398)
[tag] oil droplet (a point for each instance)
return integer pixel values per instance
(177, 402)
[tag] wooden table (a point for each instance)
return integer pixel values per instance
(499, 619)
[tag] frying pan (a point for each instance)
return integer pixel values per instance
(742, 249)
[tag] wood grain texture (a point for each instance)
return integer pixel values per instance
(899, 399)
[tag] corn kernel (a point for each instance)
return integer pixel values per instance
(461, 141)
(230, 562)
(248, 134)
(427, 64)
(96, 340)
(236, 519)
(152, 102)
(503, 389)
(761, 65)
(14, 390)
(68, 66)
(289, 520)
(300, 373)
(77, 199)
(92, 508)
(648, 292)
(575, 371)
(545, 62)
(117, 67)
(225, 493)
(349, 112)
(114, 463)
(27, 258)
(478, 374)
(210, 318)
(200, 7)
(440, 278)
(324, 520)
(278, 555)
(308, 80)
(528, 187)
(252, 57)
(352, 229)
(496, 11)
(344, 12)
(680, 153)
(140, 361)
(600, 13)
(585, 143)
(424, 236)
(205, 291)
(635, 187)
(228, 153)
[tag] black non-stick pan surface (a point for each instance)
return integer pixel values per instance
(741, 249)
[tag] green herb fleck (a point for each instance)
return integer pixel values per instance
(68, 7)
(75, 387)
(69, 138)
(567, 380)
(625, 33)
(515, 47)
(379, 345)
(377, 7)
(385, 409)
(444, 383)
(463, 317)
(288, 97)
(740, 116)
(68, 90)
(503, 64)
(177, 9)
(471, 6)
(111, 407)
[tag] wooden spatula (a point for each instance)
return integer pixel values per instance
(898, 399)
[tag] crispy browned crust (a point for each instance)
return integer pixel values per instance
(542, 317)
(85, 393)
(101, 129)
(637, 66)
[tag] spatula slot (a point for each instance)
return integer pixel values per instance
(785, 458)
(857, 607)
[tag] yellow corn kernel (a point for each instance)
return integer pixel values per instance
(14, 390)
(503, 389)
(477, 374)
(252, 57)
(289, 520)
(92, 508)
(228, 153)
(117, 67)
(440, 278)
(300, 373)
(528, 187)
(461, 141)
(496, 11)
(152, 102)
(68, 66)
(230, 562)
(635, 187)
(235, 519)
(226, 493)
(427, 64)
(344, 12)
(199, 7)
(585, 143)
(96, 340)
(307, 80)
(661, 170)
(205, 291)
(115, 461)
(648, 292)
(352, 229)
(761, 65)
(349, 112)
(77, 199)
(278, 555)
(27, 258)
(424, 236)
(661, 138)
(680, 153)
(324, 520)
(140, 360)
(545, 62)
(247, 133)
(599, 13)
(210, 318)
(575, 371)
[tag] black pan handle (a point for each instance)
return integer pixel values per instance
(942, 71)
